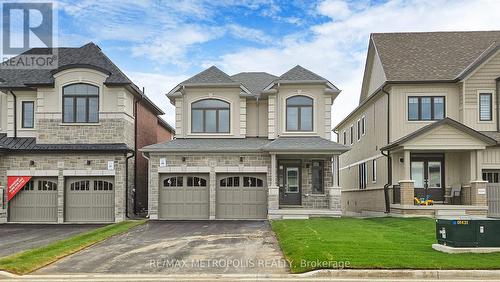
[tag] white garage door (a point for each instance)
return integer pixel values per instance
(90, 199)
(183, 196)
(36, 202)
(241, 196)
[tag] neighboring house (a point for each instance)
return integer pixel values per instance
(74, 131)
(248, 146)
(429, 111)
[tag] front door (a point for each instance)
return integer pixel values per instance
(427, 172)
(290, 189)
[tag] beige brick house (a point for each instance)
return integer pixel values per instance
(427, 125)
(70, 132)
(248, 146)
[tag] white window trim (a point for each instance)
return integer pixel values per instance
(358, 130)
(20, 114)
(374, 171)
(493, 106)
(363, 125)
(344, 138)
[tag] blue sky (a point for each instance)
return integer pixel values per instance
(159, 43)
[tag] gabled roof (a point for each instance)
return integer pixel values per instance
(212, 75)
(29, 144)
(254, 81)
(166, 125)
(299, 74)
(445, 121)
(304, 144)
(432, 56)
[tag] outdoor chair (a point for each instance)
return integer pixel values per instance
(454, 196)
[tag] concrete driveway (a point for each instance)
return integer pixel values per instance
(182, 247)
(15, 238)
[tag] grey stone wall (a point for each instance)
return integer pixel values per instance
(116, 130)
(62, 162)
(309, 199)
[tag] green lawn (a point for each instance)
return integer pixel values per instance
(31, 260)
(383, 243)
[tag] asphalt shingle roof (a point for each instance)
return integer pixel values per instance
(290, 144)
(87, 55)
(431, 55)
(255, 82)
(29, 144)
(300, 73)
(210, 75)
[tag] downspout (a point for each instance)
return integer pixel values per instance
(258, 117)
(126, 180)
(144, 155)
(389, 162)
(498, 103)
(15, 113)
(137, 101)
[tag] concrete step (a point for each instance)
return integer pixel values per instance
(450, 213)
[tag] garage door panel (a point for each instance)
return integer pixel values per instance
(90, 199)
(241, 196)
(180, 199)
(36, 202)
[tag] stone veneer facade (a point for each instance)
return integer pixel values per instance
(67, 165)
(330, 199)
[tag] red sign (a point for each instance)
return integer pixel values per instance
(14, 185)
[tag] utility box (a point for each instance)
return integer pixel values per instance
(468, 232)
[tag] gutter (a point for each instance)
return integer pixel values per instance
(15, 113)
(498, 102)
(137, 101)
(126, 181)
(389, 161)
(146, 156)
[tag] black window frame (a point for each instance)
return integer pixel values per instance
(374, 171)
(358, 130)
(352, 134)
(362, 175)
(363, 125)
(322, 176)
(419, 103)
(345, 137)
(490, 95)
(217, 116)
(299, 114)
(87, 104)
(32, 115)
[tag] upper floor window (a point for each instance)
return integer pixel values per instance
(485, 106)
(363, 125)
(210, 116)
(359, 130)
(80, 103)
(426, 108)
(28, 114)
(299, 113)
(352, 134)
(344, 138)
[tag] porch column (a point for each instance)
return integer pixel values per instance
(334, 192)
(476, 196)
(407, 185)
(273, 193)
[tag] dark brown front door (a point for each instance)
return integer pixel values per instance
(427, 172)
(290, 179)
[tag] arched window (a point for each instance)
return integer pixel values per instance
(80, 103)
(210, 116)
(175, 181)
(80, 186)
(252, 182)
(100, 185)
(44, 185)
(193, 181)
(230, 182)
(299, 113)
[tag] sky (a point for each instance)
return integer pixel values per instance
(159, 43)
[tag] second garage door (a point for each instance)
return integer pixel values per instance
(90, 199)
(241, 196)
(183, 196)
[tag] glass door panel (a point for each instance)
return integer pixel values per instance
(418, 174)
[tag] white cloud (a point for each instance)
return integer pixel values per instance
(156, 86)
(249, 34)
(337, 48)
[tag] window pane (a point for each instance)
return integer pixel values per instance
(292, 118)
(306, 121)
(317, 177)
(28, 114)
(417, 174)
(81, 90)
(484, 106)
(426, 108)
(223, 120)
(210, 103)
(210, 121)
(299, 101)
(81, 108)
(438, 107)
(412, 108)
(93, 110)
(197, 123)
(68, 110)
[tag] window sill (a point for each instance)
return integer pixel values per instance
(210, 134)
(80, 124)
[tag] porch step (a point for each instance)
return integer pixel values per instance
(450, 213)
(295, 216)
(298, 213)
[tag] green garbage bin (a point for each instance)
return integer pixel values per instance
(468, 232)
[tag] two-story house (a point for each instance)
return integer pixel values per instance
(426, 127)
(69, 138)
(248, 146)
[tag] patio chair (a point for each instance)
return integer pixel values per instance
(454, 195)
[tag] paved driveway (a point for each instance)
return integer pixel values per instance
(182, 247)
(20, 237)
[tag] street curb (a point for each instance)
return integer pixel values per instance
(403, 274)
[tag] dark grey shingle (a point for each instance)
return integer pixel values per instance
(300, 73)
(306, 144)
(431, 55)
(210, 75)
(209, 145)
(255, 82)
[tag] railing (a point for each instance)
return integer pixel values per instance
(396, 194)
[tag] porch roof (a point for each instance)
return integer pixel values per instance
(485, 139)
(304, 144)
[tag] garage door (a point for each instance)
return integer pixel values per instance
(241, 196)
(183, 196)
(36, 202)
(90, 199)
